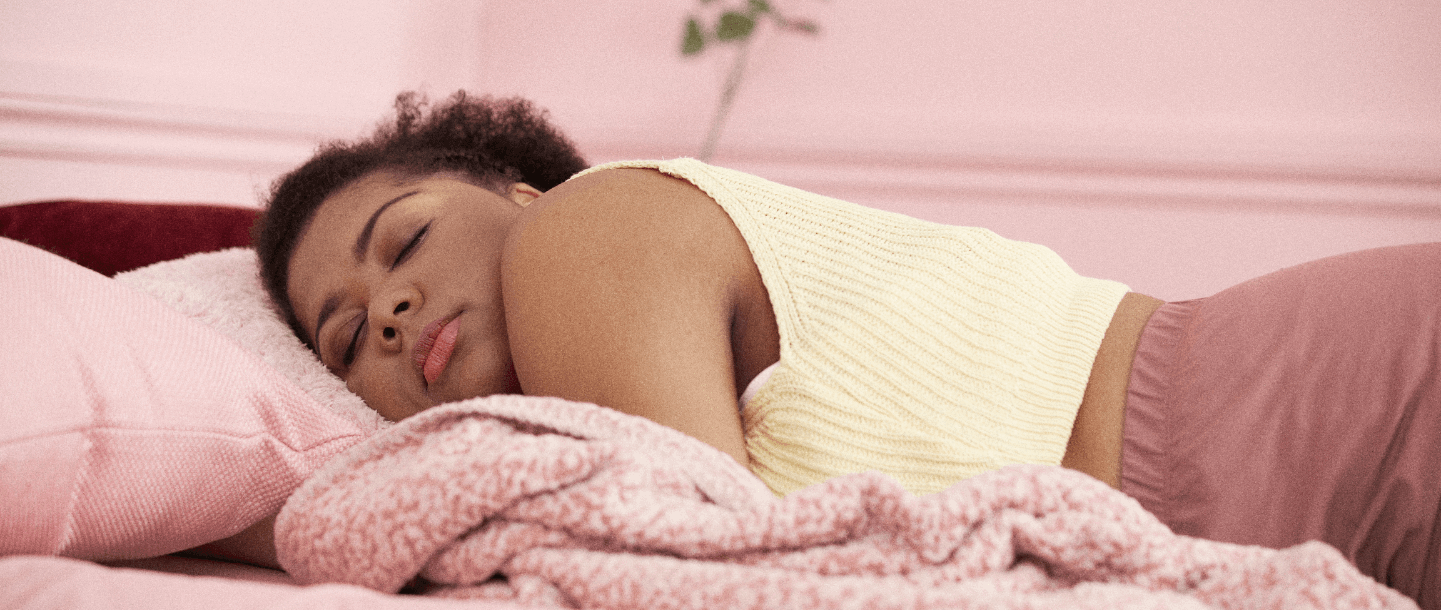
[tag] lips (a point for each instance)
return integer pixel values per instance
(432, 351)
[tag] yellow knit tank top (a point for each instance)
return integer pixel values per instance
(925, 351)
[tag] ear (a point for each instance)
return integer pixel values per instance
(522, 193)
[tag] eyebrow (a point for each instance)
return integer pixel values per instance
(362, 243)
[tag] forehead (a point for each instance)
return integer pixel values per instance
(341, 216)
(356, 201)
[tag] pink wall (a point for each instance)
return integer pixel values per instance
(185, 101)
(1285, 85)
(1179, 147)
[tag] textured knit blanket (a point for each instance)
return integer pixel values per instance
(554, 503)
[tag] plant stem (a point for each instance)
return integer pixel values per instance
(728, 95)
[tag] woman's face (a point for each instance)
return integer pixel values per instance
(396, 282)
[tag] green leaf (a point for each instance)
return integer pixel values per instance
(759, 7)
(734, 26)
(693, 42)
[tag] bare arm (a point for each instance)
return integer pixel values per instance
(620, 290)
(255, 545)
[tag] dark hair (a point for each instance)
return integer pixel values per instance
(494, 142)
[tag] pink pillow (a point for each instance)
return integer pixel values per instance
(128, 430)
(222, 290)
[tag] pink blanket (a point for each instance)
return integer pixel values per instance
(547, 502)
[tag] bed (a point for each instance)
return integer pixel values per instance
(153, 403)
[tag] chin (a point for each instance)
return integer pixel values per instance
(449, 392)
(471, 377)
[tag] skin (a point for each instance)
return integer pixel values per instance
(628, 289)
(433, 254)
(1095, 444)
(625, 288)
(634, 290)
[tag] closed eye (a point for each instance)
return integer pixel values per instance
(349, 356)
(410, 247)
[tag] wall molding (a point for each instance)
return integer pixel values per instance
(111, 131)
(211, 139)
(1121, 185)
(1109, 182)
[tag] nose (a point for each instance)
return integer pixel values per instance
(389, 331)
(390, 315)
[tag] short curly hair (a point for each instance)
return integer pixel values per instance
(494, 142)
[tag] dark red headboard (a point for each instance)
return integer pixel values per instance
(111, 236)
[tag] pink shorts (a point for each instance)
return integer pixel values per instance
(1301, 405)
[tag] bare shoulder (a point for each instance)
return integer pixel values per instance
(625, 222)
(623, 238)
(614, 205)
(619, 289)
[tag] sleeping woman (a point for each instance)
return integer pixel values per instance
(466, 250)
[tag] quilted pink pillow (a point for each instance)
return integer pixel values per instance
(128, 430)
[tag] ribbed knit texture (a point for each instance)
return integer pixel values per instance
(929, 352)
